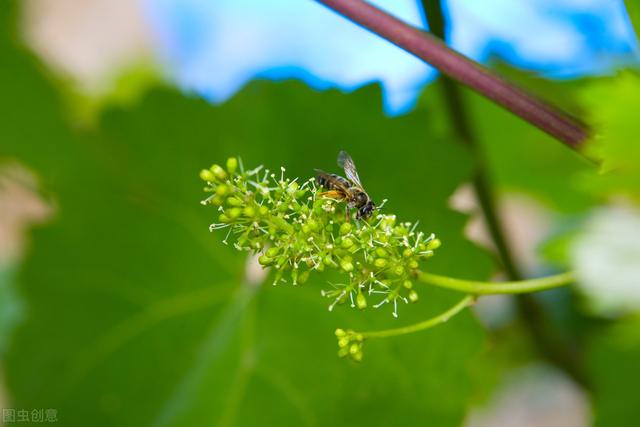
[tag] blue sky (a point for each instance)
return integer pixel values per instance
(215, 47)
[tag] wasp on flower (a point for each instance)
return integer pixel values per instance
(347, 189)
(295, 228)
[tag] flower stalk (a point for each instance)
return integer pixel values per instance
(350, 342)
(295, 231)
(493, 288)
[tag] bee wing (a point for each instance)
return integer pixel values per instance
(346, 162)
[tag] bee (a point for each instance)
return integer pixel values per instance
(348, 189)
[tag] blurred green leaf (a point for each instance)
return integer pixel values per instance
(613, 363)
(524, 159)
(521, 158)
(136, 315)
(124, 89)
(633, 9)
(33, 123)
(11, 307)
(613, 105)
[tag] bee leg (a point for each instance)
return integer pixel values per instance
(346, 213)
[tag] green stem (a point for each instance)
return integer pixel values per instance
(491, 288)
(426, 324)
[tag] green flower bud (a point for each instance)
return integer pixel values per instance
(265, 260)
(357, 356)
(234, 201)
(381, 252)
(282, 261)
(222, 190)
(207, 175)
(346, 243)
(343, 352)
(263, 210)
(340, 333)
(413, 296)
(313, 225)
(361, 301)
(407, 253)
(232, 165)
(249, 211)
(224, 218)
(413, 264)
(345, 228)
(234, 213)
(303, 277)
(380, 262)
(400, 231)
(407, 284)
(398, 270)
(389, 221)
(218, 172)
(434, 244)
(293, 188)
(343, 342)
(346, 265)
(273, 252)
(354, 348)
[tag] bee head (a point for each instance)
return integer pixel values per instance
(365, 211)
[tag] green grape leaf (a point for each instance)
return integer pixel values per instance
(612, 104)
(523, 159)
(11, 308)
(136, 315)
(613, 360)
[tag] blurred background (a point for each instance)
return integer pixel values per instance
(118, 306)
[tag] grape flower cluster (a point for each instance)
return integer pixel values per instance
(296, 231)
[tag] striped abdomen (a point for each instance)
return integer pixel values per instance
(331, 181)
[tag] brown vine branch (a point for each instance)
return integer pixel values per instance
(464, 70)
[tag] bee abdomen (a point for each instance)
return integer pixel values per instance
(332, 181)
